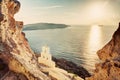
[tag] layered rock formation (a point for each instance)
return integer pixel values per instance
(109, 68)
(16, 53)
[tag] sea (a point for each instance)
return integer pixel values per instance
(77, 43)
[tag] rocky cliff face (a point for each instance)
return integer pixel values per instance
(15, 52)
(109, 68)
(112, 49)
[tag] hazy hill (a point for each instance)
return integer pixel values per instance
(38, 26)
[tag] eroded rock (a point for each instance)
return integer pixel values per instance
(16, 50)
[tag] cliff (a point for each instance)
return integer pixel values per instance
(16, 56)
(15, 49)
(109, 68)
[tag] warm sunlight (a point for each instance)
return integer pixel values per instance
(95, 37)
(97, 11)
(71, 12)
(59, 39)
(94, 43)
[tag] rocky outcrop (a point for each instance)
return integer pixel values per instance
(15, 48)
(71, 67)
(6, 74)
(112, 49)
(17, 57)
(109, 68)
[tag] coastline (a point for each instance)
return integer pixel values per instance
(70, 67)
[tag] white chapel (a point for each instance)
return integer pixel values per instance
(46, 57)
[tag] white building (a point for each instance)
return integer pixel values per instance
(46, 57)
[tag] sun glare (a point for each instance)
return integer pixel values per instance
(95, 37)
(97, 11)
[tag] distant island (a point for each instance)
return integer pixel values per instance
(42, 26)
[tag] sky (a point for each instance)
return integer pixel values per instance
(82, 12)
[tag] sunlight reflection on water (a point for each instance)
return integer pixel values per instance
(95, 37)
(93, 44)
(77, 44)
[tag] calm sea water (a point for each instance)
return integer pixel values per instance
(76, 43)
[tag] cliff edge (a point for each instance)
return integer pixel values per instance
(15, 50)
(109, 68)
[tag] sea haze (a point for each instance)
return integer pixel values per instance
(76, 43)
